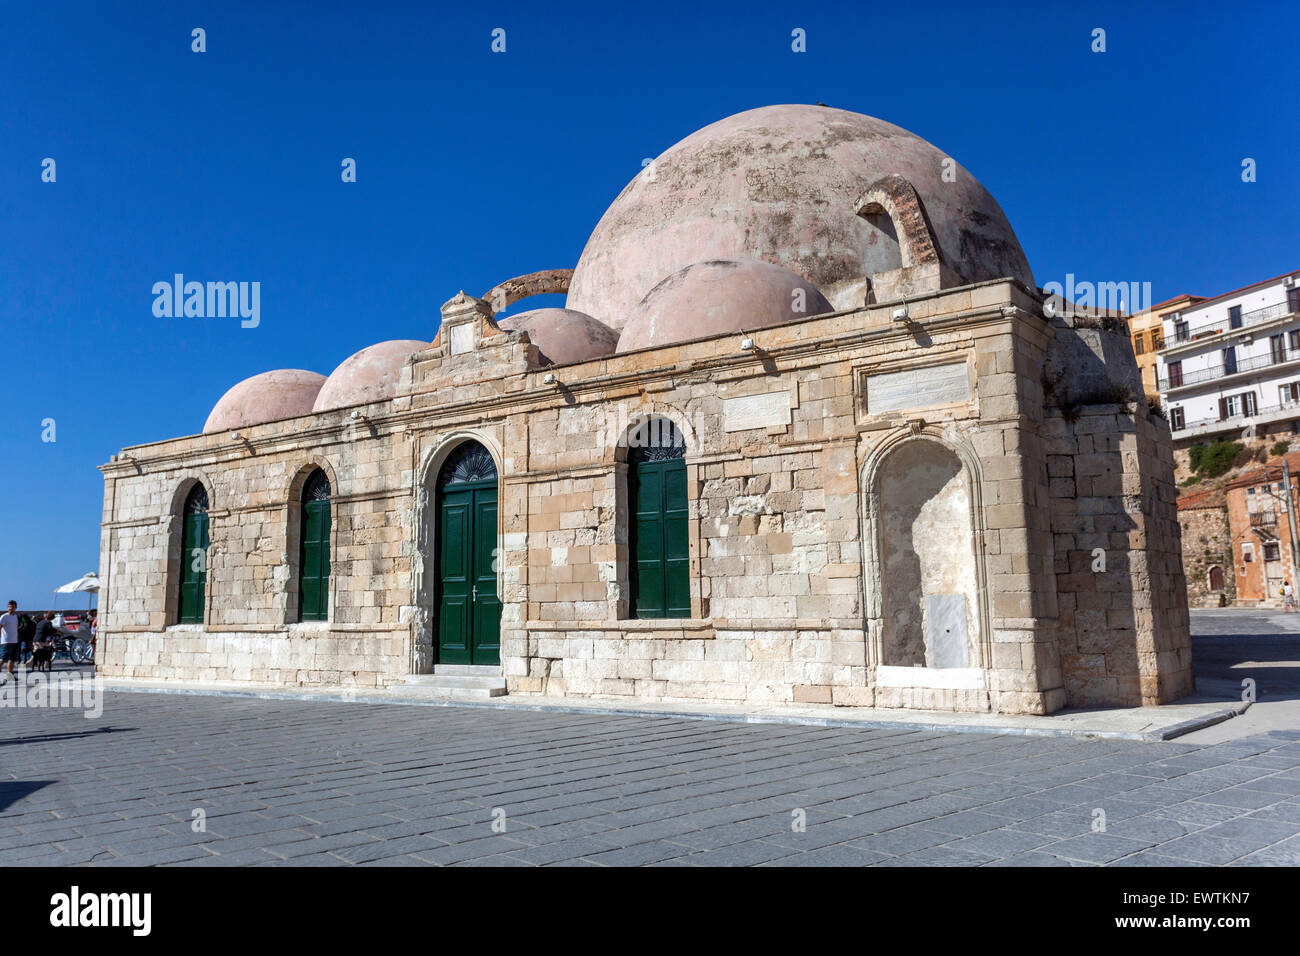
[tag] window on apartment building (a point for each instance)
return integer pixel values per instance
(1293, 299)
(1230, 361)
(1139, 344)
(1277, 348)
(1271, 551)
(1157, 340)
(1234, 317)
(1175, 374)
(1176, 420)
(1247, 552)
(1180, 331)
(1289, 394)
(1243, 403)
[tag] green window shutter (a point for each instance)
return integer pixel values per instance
(660, 541)
(314, 567)
(648, 540)
(194, 567)
(677, 552)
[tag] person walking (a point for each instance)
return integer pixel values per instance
(1288, 597)
(9, 641)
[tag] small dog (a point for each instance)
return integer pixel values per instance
(42, 655)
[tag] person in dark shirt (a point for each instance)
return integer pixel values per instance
(43, 642)
(26, 632)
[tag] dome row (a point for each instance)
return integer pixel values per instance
(370, 375)
(704, 299)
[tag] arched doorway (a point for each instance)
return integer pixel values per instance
(1216, 578)
(469, 611)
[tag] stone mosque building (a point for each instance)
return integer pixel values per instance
(803, 433)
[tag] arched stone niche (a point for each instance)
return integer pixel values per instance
(925, 567)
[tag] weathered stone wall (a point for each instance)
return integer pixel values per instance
(785, 446)
(1207, 543)
(251, 632)
(1124, 635)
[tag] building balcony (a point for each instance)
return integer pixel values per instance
(1220, 371)
(1196, 336)
(1263, 415)
(1263, 519)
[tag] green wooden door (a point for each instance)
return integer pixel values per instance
(469, 612)
(468, 609)
(660, 546)
(314, 562)
(485, 643)
(194, 566)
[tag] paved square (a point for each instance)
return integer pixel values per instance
(326, 784)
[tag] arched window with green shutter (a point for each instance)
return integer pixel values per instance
(314, 559)
(194, 556)
(658, 526)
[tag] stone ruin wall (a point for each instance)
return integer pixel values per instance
(1124, 625)
(1207, 543)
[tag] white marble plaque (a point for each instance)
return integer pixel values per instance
(767, 410)
(918, 388)
(462, 338)
(945, 629)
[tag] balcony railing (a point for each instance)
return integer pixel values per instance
(1218, 327)
(1241, 417)
(1263, 519)
(1222, 371)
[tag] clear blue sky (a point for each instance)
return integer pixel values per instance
(474, 166)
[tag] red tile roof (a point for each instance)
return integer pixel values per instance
(1202, 499)
(1269, 471)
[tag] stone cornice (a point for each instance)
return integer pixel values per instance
(383, 422)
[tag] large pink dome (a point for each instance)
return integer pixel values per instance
(780, 184)
(371, 375)
(562, 335)
(284, 393)
(724, 295)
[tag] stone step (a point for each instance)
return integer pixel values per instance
(454, 682)
(446, 680)
(437, 692)
(465, 670)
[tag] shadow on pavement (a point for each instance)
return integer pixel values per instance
(11, 791)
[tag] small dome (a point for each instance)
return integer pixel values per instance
(370, 375)
(284, 393)
(722, 295)
(563, 335)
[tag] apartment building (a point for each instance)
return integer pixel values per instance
(1230, 365)
(1147, 332)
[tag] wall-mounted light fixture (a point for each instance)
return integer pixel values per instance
(747, 344)
(549, 378)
